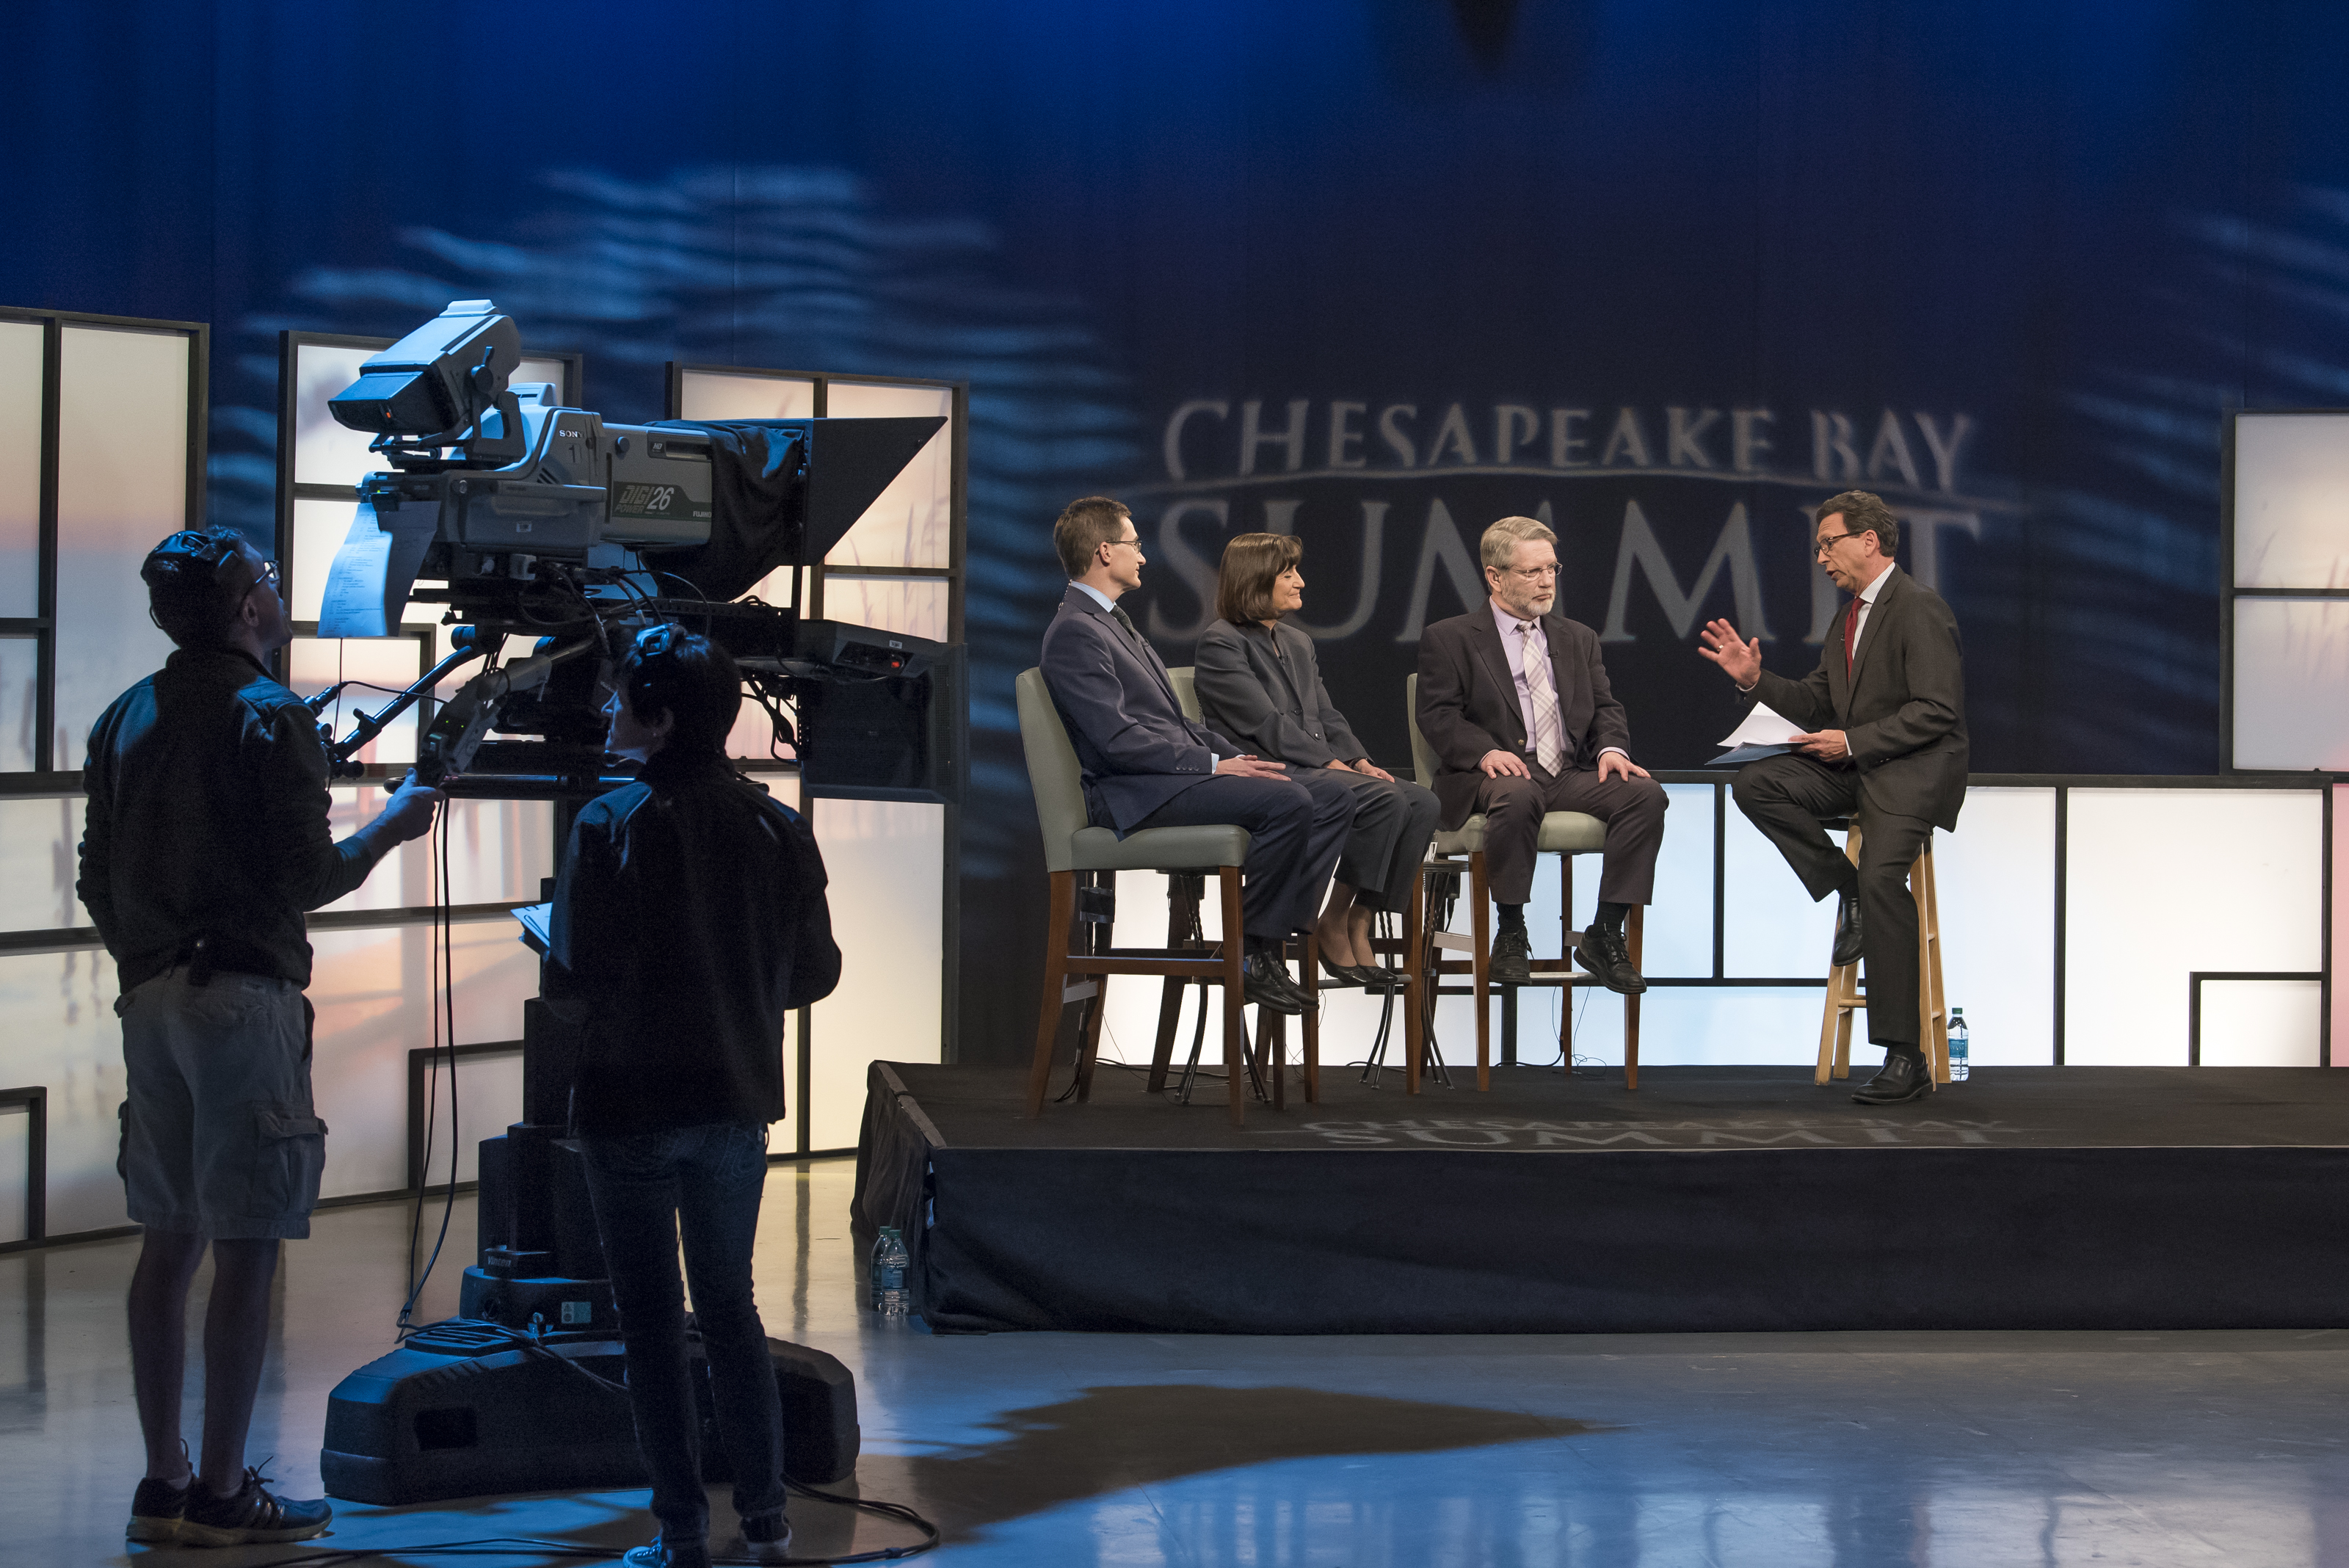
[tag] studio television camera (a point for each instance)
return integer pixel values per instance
(551, 533)
(547, 528)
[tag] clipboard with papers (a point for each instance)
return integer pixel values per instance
(1764, 733)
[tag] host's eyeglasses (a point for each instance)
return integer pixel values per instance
(1531, 573)
(1834, 539)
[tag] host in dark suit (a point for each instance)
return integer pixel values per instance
(1147, 765)
(1260, 687)
(1891, 681)
(1514, 702)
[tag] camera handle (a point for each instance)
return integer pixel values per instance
(471, 643)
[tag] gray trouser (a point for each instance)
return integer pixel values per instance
(219, 1135)
(1393, 826)
(1632, 808)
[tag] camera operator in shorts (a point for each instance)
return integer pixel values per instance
(206, 839)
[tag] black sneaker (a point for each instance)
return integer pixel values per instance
(155, 1512)
(253, 1516)
(663, 1552)
(768, 1537)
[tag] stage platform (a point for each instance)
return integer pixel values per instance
(1714, 1198)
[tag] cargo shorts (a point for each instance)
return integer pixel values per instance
(219, 1135)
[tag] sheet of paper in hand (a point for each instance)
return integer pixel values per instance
(1764, 735)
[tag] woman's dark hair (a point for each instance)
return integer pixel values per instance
(195, 581)
(1252, 563)
(671, 671)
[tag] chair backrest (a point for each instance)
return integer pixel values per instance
(1186, 688)
(1052, 773)
(1422, 755)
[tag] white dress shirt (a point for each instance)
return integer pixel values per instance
(1515, 642)
(1859, 616)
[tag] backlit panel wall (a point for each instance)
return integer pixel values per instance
(57, 1014)
(40, 838)
(886, 861)
(2287, 606)
(370, 989)
(123, 484)
(20, 466)
(910, 523)
(888, 915)
(2167, 882)
(20, 664)
(2144, 871)
(128, 437)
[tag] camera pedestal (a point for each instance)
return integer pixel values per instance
(485, 1404)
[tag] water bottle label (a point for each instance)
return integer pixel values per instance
(889, 1279)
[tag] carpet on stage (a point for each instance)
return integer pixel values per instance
(1714, 1199)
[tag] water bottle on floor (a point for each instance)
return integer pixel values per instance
(890, 1296)
(1958, 1068)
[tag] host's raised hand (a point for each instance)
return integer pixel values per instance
(1740, 662)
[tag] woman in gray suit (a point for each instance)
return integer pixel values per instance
(1260, 687)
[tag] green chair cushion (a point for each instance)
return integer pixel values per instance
(1160, 848)
(1562, 832)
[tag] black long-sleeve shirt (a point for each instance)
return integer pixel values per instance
(687, 905)
(207, 817)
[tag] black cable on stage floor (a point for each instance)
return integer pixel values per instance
(441, 972)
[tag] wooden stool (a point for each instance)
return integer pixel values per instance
(1845, 994)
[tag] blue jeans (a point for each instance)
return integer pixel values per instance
(705, 1181)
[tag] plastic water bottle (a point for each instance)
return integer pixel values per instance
(890, 1296)
(1958, 1068)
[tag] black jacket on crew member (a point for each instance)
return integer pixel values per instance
(690, 916)
(207, 817)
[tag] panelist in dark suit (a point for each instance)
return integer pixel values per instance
(1260, 687)
(1145, 764)
(1891, 682)
(1514, 702)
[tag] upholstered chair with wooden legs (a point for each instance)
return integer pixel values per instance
(1072, 845)
(1565, 834)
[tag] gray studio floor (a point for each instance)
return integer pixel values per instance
(1968, 1449)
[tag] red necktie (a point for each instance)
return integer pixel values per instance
(1850, 631)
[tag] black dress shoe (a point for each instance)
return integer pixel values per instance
(1603, 954)
(1512, 959)
(1904, 1078)
(1266, 982)
(1848, 939)
(1336, 976)
(1306, 1001)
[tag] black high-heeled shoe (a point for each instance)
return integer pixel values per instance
(1336, 976)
